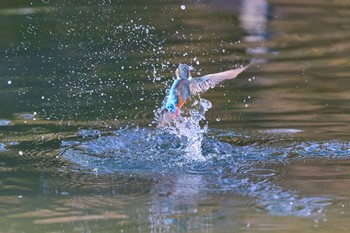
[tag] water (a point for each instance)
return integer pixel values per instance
(80, 84)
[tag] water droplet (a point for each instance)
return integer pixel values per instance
(246, 105)
(9, 82)
(218, 119)
(183, 7)
(20, 152)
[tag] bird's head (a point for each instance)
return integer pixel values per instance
(183, 71)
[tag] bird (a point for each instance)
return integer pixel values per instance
(184, 87)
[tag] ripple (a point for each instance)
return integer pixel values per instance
(261, 172)
(4, 122)
(27, 116)
(126, 150)
(158, 151)
(2, 147)
(242, 169)
(89, 133)
(282, 131)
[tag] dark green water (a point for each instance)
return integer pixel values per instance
(80, 82)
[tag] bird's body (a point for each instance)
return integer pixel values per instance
(184, 87)
(177, 95)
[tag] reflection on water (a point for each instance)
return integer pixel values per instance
(79, 82)
(254, 19)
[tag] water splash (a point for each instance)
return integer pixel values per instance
(189, 130)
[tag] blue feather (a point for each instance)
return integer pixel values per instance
(172, 100)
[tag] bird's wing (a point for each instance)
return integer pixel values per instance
(202, 84)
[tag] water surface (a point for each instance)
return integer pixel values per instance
(79, 87)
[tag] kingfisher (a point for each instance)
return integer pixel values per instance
(185, 86)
